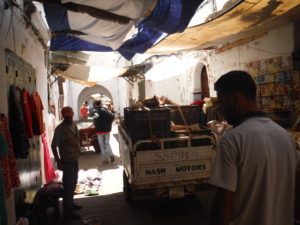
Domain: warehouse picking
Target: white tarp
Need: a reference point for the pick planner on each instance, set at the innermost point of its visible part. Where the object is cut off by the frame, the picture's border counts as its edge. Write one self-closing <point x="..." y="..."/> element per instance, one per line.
<point x="133" y="9"/>
<point x="90" y="75"/>
<point x="108" y="33"/>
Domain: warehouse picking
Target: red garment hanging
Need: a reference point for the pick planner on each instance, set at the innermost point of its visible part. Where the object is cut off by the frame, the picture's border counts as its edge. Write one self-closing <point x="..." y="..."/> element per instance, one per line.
<point x="49" y="170"/>
<point x="28" y="108"/>
<point x="38" y="123"/>
<point x="8" y="162"/>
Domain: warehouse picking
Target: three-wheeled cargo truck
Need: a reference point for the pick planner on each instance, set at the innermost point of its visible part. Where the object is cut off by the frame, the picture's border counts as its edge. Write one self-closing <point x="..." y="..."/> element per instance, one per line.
<point x="166" y="167"/>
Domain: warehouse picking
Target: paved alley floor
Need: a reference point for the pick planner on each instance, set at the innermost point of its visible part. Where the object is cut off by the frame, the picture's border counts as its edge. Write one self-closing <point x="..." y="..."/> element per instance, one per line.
<point x="109" y="207"/>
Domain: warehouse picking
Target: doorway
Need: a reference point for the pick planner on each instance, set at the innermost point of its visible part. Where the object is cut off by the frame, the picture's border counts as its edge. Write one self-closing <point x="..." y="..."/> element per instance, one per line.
<point x="204" y="83"/>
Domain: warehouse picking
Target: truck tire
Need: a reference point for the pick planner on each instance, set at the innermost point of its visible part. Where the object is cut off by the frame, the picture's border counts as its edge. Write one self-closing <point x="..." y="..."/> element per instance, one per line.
<point x="127" y="189"/>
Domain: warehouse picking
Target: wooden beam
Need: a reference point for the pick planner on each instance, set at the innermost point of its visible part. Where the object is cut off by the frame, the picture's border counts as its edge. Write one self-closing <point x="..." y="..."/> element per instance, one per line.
<point x="94" y="12"/>
<point x="238" y="43"/>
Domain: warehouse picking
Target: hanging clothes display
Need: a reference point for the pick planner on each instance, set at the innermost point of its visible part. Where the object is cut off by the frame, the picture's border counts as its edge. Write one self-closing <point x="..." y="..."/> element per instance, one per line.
<point x="8" y="161"/>
<point x="28" y="108"/>
<point x="37" y="120"/>
<point x="49" y="170"/>
<point x="17" y="124"/>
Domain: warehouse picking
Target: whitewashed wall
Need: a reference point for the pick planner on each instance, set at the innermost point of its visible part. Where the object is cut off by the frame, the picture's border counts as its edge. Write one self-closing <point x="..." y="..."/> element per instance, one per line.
<point x="20" y="39"/>
<point x="117" y="88"/>
<point x="180" y="86"/>
<point x="278" y="42"/>
<point x="179" y="89"/>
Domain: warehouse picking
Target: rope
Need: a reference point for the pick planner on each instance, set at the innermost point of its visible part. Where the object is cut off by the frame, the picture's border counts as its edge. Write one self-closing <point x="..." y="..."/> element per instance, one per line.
<point x="153" y="138"/>
<point x="182" y="116"/>
<point x="149" y="121"/>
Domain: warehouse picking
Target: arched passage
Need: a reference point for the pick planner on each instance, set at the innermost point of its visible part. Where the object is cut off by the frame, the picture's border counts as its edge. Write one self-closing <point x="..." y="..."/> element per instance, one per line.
<point x="201" y="84"/>
<point x="88" y="91"/>
<point x="204" y="83"/>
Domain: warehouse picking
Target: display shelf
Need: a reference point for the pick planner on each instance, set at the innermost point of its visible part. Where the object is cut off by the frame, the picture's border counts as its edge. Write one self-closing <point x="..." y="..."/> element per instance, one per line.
<point x="278" y="88"/>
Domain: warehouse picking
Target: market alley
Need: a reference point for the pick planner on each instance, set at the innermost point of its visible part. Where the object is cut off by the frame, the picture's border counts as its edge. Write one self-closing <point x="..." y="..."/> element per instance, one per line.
<point x="110" y="208"/>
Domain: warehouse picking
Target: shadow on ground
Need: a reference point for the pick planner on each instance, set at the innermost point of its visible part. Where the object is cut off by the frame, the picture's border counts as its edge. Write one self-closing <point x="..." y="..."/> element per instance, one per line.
<point x="113" y="210"/>
<point x="110" y="208"/>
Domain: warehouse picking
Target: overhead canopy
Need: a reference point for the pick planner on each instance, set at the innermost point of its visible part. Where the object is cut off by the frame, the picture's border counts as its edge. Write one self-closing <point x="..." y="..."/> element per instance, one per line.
<point x="90" y="75"/>
<point x="247" y="19"/>
<point x="131" y="26"/>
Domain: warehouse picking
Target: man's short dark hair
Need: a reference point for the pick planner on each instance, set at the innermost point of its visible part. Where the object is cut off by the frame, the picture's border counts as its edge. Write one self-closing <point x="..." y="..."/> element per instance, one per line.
<point x="97" y="103"/>
<point x="237" y="82"/>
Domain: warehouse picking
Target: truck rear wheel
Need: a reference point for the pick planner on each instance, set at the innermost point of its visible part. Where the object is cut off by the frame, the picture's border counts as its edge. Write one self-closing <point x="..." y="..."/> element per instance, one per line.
<point x="127" y="189"/>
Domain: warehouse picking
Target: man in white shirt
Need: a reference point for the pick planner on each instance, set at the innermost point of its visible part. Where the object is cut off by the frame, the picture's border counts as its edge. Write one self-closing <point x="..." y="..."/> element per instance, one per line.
<point x="254" y="171"/>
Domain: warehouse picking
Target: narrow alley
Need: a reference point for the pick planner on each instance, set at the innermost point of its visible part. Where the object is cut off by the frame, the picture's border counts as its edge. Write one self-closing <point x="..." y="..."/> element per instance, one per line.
<point x="109" y="207"/>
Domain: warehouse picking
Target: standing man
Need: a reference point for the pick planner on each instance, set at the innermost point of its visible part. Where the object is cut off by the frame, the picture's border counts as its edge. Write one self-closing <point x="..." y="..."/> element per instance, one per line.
<point x="254" y="171"/>
<point x="103" y="119"/>
<point x="65" y="147"/>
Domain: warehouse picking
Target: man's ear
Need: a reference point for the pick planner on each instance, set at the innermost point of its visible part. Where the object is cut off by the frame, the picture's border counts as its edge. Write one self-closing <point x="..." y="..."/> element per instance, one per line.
<point x="233" y="99"/>
<point x="236" y="98"/>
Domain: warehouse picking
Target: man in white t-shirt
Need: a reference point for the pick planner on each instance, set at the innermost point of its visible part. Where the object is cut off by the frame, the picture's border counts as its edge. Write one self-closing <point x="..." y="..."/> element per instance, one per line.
<point x="254" y="171"/>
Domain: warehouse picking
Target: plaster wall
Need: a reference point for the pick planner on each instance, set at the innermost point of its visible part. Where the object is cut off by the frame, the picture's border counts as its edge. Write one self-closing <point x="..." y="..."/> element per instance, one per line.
<point x="75" y="94"/>
<point x="118" y="87"/>
<point x="176" y="77"/>
<point x="275" y="43"/>
<point x="21" y="40"/>
<point x="180" y="88"/>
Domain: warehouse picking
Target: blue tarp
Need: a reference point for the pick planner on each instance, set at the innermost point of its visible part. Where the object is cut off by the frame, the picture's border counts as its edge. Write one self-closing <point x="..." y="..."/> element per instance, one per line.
<point x="66" y="42"/>
<point x="172" y="16"/>
<point x="169" y="16"/>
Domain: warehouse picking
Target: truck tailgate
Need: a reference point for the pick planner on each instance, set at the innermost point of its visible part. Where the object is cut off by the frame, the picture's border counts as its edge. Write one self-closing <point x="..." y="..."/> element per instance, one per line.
<point x="173" y="165"/>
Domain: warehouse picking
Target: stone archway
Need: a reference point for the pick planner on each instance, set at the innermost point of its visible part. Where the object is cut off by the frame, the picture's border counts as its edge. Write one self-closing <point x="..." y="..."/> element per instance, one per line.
<point x="201" y="84"/>
<point x="204" y="83"/>
<point x="88" y="91"/>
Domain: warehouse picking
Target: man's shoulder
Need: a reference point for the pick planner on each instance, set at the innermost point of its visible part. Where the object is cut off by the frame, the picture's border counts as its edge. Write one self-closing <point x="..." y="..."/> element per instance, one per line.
<point x="256" y="128"/>
<point x="62" y="126"/>
<point x="59" y="126"/>
<point x="259" y="123"/>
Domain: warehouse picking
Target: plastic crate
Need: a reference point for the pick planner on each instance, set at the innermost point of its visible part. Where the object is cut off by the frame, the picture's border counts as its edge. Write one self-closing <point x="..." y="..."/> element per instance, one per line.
<point x="137" y="123"/>
<point x="191" y="114"/>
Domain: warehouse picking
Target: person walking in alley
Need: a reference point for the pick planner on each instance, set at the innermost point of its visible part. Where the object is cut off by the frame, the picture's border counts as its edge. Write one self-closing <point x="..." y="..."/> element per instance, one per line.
<point x="103" y="119"/>
<point x="65" y="147"/>
<point x="254" y="170"/>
